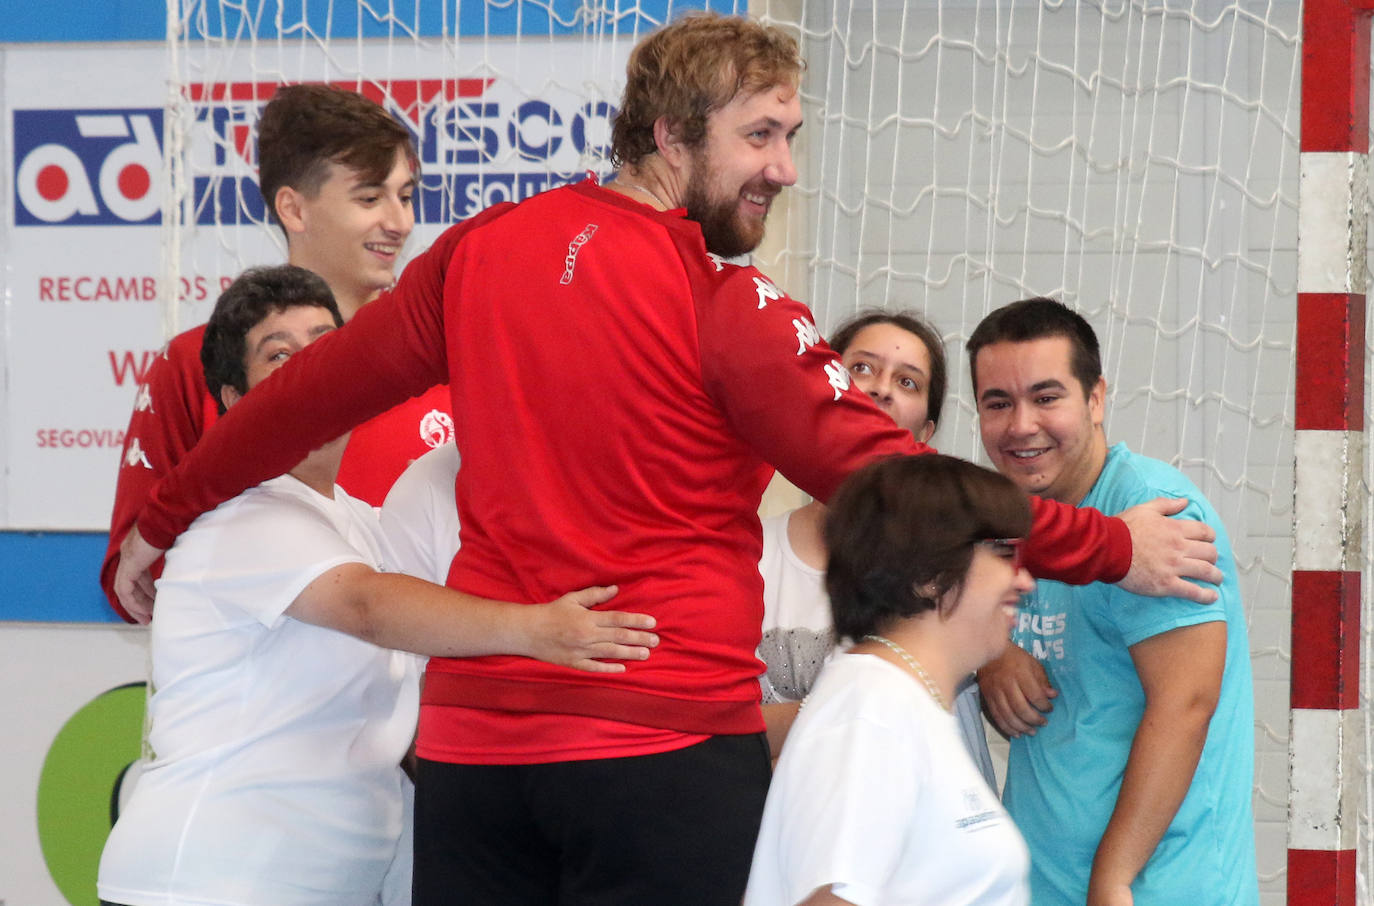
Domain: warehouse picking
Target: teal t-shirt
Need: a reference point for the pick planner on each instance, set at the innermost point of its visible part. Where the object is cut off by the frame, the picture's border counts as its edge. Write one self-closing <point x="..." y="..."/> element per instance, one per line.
<point x="1062" y="783"/>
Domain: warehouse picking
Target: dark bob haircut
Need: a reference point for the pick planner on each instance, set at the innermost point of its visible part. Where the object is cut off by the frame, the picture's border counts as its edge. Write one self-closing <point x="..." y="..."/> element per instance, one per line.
<point x="901" y="534"/>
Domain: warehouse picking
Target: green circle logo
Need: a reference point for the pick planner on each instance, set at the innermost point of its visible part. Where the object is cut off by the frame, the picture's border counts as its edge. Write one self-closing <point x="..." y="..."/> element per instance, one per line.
<point x="78" y="789"/>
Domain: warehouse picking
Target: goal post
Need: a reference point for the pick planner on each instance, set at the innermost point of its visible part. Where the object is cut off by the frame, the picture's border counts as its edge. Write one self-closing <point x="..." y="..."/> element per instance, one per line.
<point x="1329" y="743"/>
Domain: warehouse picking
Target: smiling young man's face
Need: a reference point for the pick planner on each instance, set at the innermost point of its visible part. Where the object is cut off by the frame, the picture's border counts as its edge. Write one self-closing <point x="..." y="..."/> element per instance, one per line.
<point x="353" y="230"/>
<point x="745" y="161"/>
<point x="1039" y="426"/>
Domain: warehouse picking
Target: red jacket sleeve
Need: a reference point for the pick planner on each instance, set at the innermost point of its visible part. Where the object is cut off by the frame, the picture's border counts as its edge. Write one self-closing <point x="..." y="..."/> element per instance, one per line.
<point x="784" y="391"/>
<point x="787" y="394"/>
<point x="172" y="410"/>
<point x="1076" y="545"/>
<point x="393" y="349"/>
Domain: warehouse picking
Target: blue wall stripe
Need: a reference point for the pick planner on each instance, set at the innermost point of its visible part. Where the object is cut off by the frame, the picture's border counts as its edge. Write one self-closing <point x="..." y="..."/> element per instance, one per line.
<point x="53" y="577"/>
<point x="81" y="20"/>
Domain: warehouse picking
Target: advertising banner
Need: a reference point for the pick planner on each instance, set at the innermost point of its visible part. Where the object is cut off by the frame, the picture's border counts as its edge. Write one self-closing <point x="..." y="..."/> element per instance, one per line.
<point x="85" y="277"/>
<point x="83" y="262"/>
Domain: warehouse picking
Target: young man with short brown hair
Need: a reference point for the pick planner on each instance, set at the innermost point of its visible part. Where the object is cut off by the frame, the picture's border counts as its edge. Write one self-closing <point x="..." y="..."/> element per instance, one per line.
<point x="337" y="174"/>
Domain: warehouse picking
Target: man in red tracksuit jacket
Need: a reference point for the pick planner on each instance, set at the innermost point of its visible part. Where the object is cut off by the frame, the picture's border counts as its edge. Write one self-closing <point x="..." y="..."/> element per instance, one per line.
<point x="337" y="174"/>
<point x="621" y="394"/>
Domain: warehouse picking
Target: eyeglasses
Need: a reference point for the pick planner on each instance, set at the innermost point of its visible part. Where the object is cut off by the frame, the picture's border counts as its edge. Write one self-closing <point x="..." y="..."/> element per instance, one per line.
<point x="1008" y="549"/>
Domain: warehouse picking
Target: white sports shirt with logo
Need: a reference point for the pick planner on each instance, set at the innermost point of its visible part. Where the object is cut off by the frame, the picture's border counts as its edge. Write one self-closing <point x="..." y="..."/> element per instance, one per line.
<point x="876" y="795"/>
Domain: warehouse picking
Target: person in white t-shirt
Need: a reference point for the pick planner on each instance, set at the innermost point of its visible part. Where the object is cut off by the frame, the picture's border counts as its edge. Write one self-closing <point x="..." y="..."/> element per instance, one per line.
<point x="898" y="359"/>
<point x="419" y="518"/>
<point x="875" y="799"/>
<point x="280" y="715"/>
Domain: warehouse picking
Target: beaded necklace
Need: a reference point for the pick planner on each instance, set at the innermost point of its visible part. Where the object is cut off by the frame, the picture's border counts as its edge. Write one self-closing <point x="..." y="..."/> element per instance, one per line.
<point x="915" y="666"/>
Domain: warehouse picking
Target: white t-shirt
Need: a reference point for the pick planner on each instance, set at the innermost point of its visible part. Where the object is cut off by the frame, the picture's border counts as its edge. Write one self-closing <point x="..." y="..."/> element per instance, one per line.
<point x="799" y="638"/>
<point x="420" y="518"/>
<point x="876" y="795"/>
<point x="278" y="743"/>
<point x="420" y="522"/>
<point x="798" y="634"/>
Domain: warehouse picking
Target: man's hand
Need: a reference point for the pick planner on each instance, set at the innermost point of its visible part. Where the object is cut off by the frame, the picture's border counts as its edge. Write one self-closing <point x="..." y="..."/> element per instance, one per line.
<point x="1016" y="692"/>
<point x="1165" y="553"/>
<point x="568" y="632"/>
<point x="133" y="581"/>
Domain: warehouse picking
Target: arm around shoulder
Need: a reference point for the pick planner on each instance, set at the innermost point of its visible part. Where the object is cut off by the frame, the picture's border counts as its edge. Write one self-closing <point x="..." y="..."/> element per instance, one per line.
<point x="133" y="578"/>
<point x="1166" y="553"/>
<point x="393" y="349"/>
<point x="1143" y="550"/>
<point x="1076" y="545"/>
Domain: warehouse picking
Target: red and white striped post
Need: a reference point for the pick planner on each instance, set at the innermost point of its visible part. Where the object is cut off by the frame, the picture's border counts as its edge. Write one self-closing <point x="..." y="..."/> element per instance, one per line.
<point x="1326" y="732"/>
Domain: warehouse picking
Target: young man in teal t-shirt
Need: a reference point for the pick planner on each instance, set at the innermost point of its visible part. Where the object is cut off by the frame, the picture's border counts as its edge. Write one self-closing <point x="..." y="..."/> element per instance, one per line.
<point x="1131" y="719"/>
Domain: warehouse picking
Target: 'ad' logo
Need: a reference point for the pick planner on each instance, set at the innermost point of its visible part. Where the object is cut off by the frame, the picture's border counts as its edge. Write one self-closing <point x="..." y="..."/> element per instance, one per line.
<point x="480" y="141"/>
<point x="86" y="167"/>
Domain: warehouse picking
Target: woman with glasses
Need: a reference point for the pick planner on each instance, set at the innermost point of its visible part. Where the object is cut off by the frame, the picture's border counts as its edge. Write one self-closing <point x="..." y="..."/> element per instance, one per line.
<point x="875" y="798"/>
<point x="897" y="359"/>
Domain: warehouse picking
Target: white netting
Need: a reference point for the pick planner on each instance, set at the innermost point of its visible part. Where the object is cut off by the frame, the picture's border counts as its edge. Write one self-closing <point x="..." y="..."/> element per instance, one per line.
<point x="1136" y="159"/>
